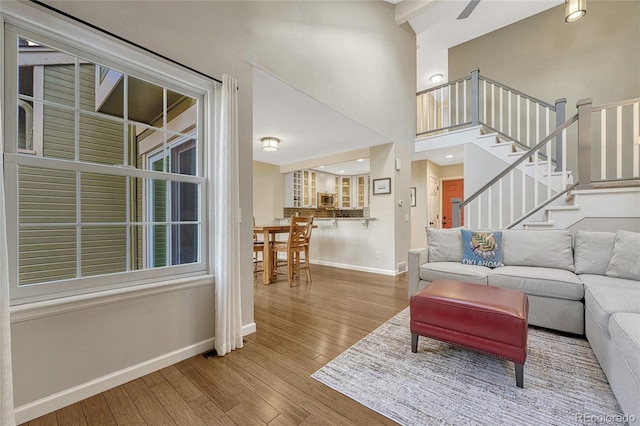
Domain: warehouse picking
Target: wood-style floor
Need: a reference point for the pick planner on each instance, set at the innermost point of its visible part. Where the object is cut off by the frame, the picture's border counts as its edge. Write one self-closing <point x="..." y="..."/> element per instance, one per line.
<point x="268" y="381"/>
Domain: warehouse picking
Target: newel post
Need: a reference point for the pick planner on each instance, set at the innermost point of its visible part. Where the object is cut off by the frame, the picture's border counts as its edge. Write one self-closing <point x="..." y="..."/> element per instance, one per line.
<point x="561" y="105"/>
<point x="475" y="97"/>
<point x="455" y="212"/>
<point x="584" y="143"/>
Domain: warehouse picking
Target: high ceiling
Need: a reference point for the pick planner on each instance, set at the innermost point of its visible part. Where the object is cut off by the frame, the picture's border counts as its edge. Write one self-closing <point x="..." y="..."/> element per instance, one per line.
<point x="309" y="129"/>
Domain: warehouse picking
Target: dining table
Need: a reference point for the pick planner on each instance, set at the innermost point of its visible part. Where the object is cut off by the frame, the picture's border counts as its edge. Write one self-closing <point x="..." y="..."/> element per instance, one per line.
<point x="269" y="233"/>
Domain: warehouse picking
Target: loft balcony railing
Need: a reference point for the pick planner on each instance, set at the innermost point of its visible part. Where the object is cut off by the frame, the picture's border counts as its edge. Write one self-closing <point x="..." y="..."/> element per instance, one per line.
<point x="606" y="152"/>
<point x="477" y="100"/>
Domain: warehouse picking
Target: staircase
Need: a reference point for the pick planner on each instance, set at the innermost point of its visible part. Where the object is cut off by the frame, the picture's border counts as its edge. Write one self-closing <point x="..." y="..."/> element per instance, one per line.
<point x="535" y="189"/>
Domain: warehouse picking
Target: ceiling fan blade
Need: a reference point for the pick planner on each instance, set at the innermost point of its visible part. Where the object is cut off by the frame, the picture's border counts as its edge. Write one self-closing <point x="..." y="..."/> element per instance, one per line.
<point x="467" y="10"/>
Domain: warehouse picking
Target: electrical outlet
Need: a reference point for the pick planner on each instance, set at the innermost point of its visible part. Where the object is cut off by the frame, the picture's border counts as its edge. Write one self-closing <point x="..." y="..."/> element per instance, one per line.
<point x="377" y="254"/>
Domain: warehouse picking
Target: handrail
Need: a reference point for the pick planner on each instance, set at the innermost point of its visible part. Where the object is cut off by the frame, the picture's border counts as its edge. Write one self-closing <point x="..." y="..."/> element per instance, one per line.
<point x="505" y="136"/>
<point x="440" y="129"/>
<point x="543" y="205"/>
<point x="522" y="95"/>
<point x="522" y="159"/>
<point x="449" y="83"/>
<point x="615" y="104"/>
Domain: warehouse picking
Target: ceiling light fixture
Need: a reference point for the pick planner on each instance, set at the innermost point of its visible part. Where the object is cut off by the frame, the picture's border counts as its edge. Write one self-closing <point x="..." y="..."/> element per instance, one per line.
<point x="574" y="10"/>
<point x="270" y="144"/>
<point x="360" y="159"/>
<point x="436" y="78"/>
<point x="448" y="156"/>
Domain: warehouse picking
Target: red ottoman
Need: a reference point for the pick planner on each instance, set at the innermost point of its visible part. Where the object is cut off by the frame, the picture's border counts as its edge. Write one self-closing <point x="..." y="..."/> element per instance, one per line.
<point x="486" y="319"/>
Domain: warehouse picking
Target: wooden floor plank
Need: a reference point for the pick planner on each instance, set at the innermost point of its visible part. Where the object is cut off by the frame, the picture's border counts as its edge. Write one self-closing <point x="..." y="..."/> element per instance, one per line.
<point x="97" y="412"/>
<point x="268" y="381"/>
<point x="178" y="409"/>
<point x="122" y="407"/>
<point x="47" y="420"/>
<point x="210" y="413"/>
<point x="71" y="415"/>
<point x="148" y="405"/>
<point x="185" y="388"/>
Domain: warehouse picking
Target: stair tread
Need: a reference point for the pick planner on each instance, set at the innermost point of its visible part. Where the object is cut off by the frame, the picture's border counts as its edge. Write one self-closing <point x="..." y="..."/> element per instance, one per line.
<point x="559" y="208"/>
<point x="539" y="223"/>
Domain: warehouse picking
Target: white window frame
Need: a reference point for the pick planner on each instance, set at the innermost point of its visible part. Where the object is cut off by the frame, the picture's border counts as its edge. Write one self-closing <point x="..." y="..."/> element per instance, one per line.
<point x="94" y="46"/>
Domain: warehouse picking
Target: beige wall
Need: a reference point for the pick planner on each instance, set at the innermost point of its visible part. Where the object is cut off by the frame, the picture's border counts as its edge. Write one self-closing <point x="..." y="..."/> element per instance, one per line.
<point x="420" y="172"/>
<point x="596" y="57"/>
<point x="268" y="192"/>
<point x="336" y="52"/>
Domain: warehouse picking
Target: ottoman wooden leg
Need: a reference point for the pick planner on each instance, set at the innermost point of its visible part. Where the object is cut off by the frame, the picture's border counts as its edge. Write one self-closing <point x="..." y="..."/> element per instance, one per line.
<point x="414" y="342"/>
<point x="519" y="374"/>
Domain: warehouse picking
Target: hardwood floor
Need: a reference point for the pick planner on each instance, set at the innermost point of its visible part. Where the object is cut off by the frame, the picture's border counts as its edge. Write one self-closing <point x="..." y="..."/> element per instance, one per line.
<point x="268" y="381"/>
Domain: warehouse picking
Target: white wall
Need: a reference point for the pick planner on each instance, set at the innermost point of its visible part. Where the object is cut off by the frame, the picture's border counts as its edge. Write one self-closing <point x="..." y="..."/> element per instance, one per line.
<point x="350" y="55"/>
<point x="268" y="192"/>
<point x="420" y="172"/>
<point x="596" y="57"/>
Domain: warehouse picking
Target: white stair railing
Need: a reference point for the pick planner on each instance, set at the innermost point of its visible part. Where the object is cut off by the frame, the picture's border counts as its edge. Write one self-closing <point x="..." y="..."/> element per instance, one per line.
<point x="519" y="189"/>
<point x="616" y="141"/>
<point x="478" y="100"/>
<point x="608" y="136"/>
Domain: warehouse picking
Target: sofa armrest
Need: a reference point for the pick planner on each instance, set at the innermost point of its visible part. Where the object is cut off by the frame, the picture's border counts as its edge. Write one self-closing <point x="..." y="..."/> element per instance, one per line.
<point x="416" y="258"/>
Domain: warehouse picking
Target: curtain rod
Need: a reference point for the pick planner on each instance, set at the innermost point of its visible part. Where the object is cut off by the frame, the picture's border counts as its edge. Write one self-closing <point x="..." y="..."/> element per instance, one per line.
<point x="109" y="33"/>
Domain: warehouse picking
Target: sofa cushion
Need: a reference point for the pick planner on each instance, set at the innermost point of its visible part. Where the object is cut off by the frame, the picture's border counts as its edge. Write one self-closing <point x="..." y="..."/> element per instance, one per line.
<point x="605" y="300"/>
<point x="624" y="329"/>
<point x="547" y="282"/>
<point x="548" y="249"/>
<point x="602" y="280"/>
<point x="592" y="251"/>
<point x="445" y="245"/>
<point x="482" y="248"/>
<point x="454" y="271"/>
<point x="625" y="261"/>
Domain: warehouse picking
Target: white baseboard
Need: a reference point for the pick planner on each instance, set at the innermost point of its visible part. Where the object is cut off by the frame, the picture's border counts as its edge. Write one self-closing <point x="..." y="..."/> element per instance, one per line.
<point x="249" y="328"/>
<point x="389" y="272"/>
<point x="70" y="396"/>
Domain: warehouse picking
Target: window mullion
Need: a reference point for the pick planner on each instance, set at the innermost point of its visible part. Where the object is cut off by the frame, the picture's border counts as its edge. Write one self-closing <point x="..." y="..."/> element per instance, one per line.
<point x="167" y="167"/>
<point x="128" y="180"/>
<point x="76" y="137"/>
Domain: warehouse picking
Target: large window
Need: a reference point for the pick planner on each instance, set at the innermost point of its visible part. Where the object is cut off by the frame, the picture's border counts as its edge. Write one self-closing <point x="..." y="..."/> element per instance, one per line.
<point x="104" y="170"/>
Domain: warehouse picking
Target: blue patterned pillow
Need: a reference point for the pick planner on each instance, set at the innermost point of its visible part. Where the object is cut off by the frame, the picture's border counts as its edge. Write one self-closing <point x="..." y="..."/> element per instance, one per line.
<point x="483" y="248"/>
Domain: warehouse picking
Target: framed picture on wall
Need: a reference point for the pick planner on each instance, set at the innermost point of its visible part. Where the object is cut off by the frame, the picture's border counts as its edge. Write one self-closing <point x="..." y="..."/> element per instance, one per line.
<point x="413" y="196"/>
<point x="382" y="186"/>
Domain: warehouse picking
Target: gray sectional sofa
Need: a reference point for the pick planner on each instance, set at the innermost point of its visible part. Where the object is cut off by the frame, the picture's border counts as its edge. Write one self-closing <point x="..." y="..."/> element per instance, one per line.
<point x="585" y="282"/>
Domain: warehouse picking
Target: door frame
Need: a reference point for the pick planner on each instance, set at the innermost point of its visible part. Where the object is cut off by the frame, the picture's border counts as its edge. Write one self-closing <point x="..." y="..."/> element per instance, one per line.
<point x="442" y="180"/>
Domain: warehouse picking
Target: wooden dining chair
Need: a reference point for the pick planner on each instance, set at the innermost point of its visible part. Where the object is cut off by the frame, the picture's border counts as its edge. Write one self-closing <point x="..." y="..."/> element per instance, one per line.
<point x="258" y="250"/>
<point x="296" y="249"/>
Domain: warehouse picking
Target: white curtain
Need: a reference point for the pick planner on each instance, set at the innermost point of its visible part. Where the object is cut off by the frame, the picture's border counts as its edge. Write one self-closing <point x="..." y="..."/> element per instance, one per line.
<point x="225" y="207"/>
<point x="7" y="416"/>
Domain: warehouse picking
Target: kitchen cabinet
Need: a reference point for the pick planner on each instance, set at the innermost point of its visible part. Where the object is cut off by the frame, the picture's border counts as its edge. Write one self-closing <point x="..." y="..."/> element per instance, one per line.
<point x="309" y="189"/>
<point x="293" y="189"/>
<point x="362" y="191"/>
<point x="302" y="187"/>
<point x="345" y="192"/>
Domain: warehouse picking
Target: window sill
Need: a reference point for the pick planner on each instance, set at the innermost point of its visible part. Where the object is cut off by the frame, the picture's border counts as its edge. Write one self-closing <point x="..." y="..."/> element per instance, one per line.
<point x="30" y="311"/>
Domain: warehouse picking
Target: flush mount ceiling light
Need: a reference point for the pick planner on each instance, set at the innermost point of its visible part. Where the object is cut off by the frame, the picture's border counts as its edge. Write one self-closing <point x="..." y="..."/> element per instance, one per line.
<point x="574" y="10"/>
<point x="436" y="78"/>
<point x="270" y="144"/>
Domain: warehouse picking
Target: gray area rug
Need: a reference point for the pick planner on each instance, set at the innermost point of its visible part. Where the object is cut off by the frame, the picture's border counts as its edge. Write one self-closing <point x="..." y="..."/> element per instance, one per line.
<point x="442" y="384"/>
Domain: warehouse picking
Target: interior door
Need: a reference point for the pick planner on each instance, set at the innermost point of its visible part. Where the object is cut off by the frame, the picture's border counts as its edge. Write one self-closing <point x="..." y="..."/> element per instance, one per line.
<point x="434" y="202"/>
<point x="451" y="189"/>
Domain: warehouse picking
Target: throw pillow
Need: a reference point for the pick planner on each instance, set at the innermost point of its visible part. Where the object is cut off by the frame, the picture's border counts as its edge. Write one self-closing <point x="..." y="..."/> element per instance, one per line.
<point x="445" y="245"/>
<point x="625" y="261"/>
<point x="544" y="249"/>
<point x="483" y="248"/>
<point x="592" y="251"/>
